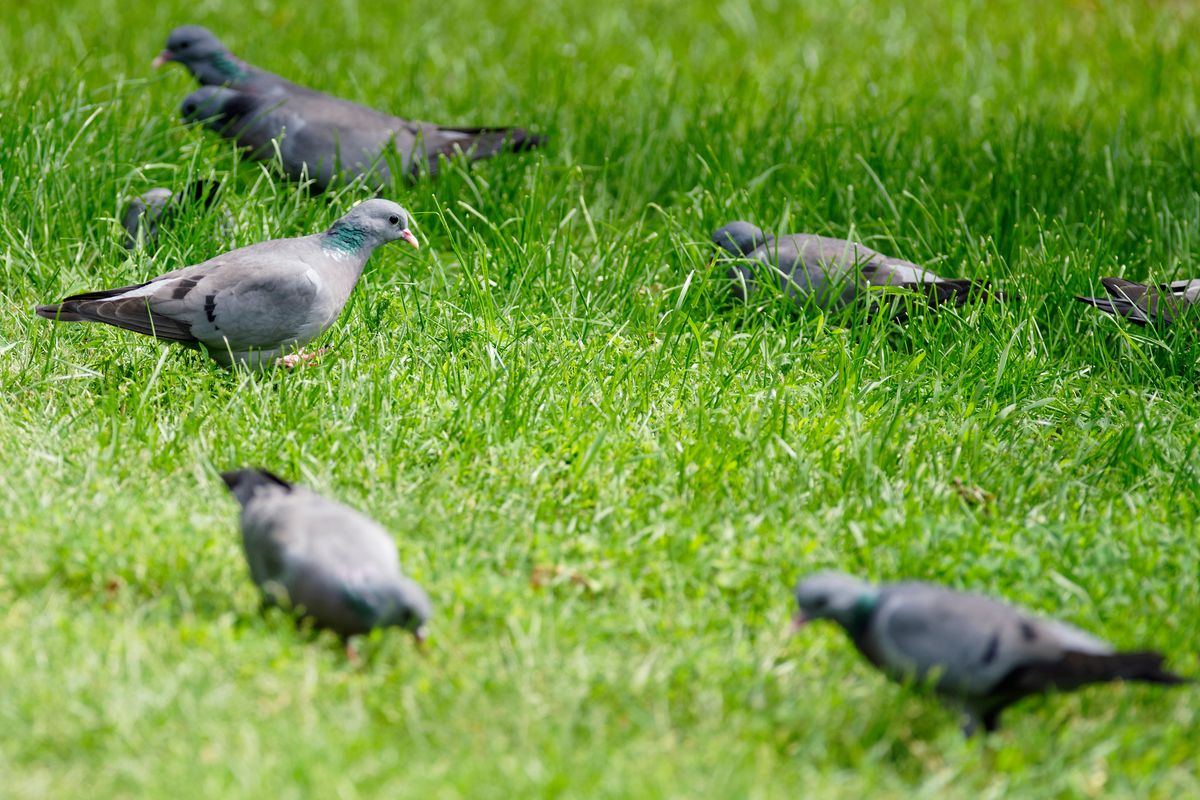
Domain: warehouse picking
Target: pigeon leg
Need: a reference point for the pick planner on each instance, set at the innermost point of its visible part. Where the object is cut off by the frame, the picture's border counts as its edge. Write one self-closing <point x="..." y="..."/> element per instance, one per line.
<point x="352" y="655"/>
<point x="300" y="357"/>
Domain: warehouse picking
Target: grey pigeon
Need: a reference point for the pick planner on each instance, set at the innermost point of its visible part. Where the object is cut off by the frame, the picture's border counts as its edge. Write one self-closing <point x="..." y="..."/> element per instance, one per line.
<point x="831" y="274"/>
<point x="250" y="305"/>
<point x="982" y="655"/>
<point x="327" y="562"/>
<point x="1146" y="304"/>
<point x="332" y="137"/>
<point x="144" y="215"/>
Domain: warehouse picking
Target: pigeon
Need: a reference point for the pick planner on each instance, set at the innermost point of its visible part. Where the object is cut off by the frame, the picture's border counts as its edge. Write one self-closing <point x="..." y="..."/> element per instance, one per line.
<point x="332" y="137"/>
<point x="1145" y="304"/>
<point x="146" y="214"/>
<point x="980" y="654"/>
<point x="322" y="560"/>
<point x="831" y="274"/>
<point x="252" y="304"/>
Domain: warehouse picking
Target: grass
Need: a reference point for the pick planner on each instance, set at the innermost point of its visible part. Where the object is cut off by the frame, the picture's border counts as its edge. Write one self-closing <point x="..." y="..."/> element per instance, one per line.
<point x="606" y="475"/>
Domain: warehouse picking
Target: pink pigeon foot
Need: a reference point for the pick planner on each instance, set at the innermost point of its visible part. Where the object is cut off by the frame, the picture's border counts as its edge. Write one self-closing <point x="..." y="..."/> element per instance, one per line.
<point x="300" y="357"/>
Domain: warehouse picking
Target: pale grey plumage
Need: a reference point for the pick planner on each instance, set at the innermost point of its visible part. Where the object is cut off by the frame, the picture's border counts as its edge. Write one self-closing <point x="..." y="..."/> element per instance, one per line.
<point x="980" y="654"/>
<point x="251" y="305"/>
<point x="328" y="562"/>
<point x="1148" y="303"/>
<point x="320" y="136"/>
<point x="146" y="214"/>
<point x="830" y="274"/>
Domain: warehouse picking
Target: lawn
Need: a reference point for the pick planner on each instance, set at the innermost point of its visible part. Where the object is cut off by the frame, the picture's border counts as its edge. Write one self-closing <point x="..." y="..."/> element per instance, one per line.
<point x="608" y="475"/>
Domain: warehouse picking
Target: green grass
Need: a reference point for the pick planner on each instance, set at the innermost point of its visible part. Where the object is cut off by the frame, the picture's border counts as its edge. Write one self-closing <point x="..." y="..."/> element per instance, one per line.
<point x="557" y="386"/>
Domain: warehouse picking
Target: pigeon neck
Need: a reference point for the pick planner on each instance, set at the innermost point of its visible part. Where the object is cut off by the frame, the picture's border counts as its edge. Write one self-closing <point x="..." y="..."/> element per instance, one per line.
<point x="345" y="239"/>
<point x="860" y="615"/>
<point x="229" y="67"/>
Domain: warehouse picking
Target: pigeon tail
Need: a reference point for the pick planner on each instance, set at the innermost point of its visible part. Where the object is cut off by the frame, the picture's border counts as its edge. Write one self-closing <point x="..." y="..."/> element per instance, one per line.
<point x="959" y="291"/>
<point x="950" y="291"/>
<point x="203" y="191"/>
<point x="480" y="143"/>
<point x="1117" y="307"/>
<point x="58" y="312"/>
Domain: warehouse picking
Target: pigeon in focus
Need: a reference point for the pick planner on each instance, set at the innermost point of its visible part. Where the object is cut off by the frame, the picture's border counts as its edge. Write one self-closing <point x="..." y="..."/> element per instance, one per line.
<point x="322" y="560"/>
<point x="831" y="274"/>
<point x="154" y="209"/>
<point x="1148" y="304"/>
<point x="980" y="654"/>
<point x="252" y="305"/>
<point x="332" y="137"/>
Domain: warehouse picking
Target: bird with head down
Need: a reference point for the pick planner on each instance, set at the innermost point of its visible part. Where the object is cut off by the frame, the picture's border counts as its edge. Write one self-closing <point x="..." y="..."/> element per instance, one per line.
<point x="833" y="274"/>
<point x="333" y="139"/>
<point x="322" y="560"/>
<point x="980" y="655"/>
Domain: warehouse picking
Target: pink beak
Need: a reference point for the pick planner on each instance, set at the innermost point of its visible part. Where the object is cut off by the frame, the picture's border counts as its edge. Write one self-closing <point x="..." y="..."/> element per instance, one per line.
<point x="407" y="236"/>
<point x="162" y="58"/>
<point x="798" y="622"/>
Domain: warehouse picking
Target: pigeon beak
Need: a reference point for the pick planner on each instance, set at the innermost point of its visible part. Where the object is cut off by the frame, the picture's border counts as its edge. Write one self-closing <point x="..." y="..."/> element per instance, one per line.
<point x="162" y="58"/>
<point x="408" y="236"/>
<point x="798" y="622"/>
<point x="421" y="634"/>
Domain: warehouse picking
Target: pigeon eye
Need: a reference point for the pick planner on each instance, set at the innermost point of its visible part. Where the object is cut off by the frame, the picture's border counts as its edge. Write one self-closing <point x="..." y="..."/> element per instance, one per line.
<point x="183" y="45"/>
<point x="393" y="220"/>
<point x="820" y="602"/>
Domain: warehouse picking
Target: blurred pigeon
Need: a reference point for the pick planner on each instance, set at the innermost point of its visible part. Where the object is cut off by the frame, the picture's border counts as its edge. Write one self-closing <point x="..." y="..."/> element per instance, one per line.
<point x="1145" y="304"/>
<point x="155" y="208"/>
<point x="832" y="274"/>
<point x="323" y="560"/>
<point x="981" y="655"/>
<point x="333" y="137"/>
<point x="250" y="305"/>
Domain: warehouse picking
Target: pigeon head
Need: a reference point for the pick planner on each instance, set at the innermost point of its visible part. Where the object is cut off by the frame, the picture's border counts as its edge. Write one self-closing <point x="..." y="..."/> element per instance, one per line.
<point x="220" y="108"/>
<point x="833" y="595"/>
<point x="140" y="219"/>
<point x="369" y="224"/>
<point x="202" y="53"/>
<point x="410" y="608"/>
<point x="739" y="238"/>
<point x="244" y="484"/>
<point x="204" y="103"/>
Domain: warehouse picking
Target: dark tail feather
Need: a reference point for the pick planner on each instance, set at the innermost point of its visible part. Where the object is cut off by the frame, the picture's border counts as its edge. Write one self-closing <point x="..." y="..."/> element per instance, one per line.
<point x="487" y="142"/>
<point x="495" y="140"/>
<point x="959" y="292"/>
<point x="202" y="190"/>
<point x="66" y="311"/>
<point x="1080" y="669"/>
<point x="58" y="312"/>
<point x="956" y="292"/>
<point x="1116" y="306"/>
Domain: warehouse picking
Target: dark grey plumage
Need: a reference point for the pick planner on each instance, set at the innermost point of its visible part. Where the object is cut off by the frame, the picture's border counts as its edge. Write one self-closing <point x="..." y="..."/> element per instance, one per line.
<point x="325" y="561"/>
<point x="155" y="209"/>
<point x="832" y="274"/>
<point x="980" y="654"/>
<point x="250" y="305"/>
<point x="1148" y="304"/>
<point x="320" y="136"/>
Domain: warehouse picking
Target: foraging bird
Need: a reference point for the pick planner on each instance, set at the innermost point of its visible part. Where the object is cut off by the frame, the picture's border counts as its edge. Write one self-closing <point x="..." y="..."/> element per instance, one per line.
<point x="1147" y="304"/>
<point x="981" y="655"/>
<point x="326" y="562"/>
<point x="330" y="137"/>
<point x="832" y="274"/>
<point x="144" y="215"/>
<point x="250" y="305"/>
